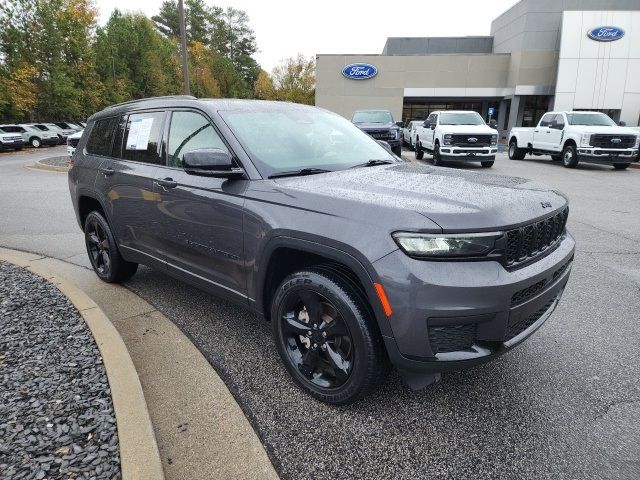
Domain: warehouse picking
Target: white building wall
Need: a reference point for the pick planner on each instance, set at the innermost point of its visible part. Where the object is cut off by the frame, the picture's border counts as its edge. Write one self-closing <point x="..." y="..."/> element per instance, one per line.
<point x="600" y="75"/>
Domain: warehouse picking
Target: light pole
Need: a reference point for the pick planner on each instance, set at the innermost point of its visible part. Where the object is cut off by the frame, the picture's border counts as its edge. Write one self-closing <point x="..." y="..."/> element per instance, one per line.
<point x="183" y="38"/>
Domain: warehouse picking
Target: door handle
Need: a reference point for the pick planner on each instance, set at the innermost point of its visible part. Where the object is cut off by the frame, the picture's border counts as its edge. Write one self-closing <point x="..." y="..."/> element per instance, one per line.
<point x="536" y="131"/>
<point x="166" y="182"/>
<point x="107" y="171"/>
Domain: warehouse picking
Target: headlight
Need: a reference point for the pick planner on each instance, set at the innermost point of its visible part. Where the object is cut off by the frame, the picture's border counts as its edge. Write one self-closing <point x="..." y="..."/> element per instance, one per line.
<point x="494" y="139"/>
<point x="637" y="144"/>
<point x="586" y="140"/>
<point x="396" y="134"/>
<point x="447" y="139"/>
<point x="446" y="245"/>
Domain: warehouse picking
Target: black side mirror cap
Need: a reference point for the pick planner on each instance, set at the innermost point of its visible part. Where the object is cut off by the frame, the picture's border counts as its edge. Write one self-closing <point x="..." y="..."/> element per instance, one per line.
<point x="400" y="124"/>
<point x="211" y="162"/>
<point x="432" y="126"/>
<point x="493" y="123"/>
<point x="622" y="123"/>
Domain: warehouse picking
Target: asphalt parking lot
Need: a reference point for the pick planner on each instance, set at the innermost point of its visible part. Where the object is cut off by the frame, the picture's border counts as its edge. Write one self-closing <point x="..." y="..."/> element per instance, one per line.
<point x="564" y="404"/>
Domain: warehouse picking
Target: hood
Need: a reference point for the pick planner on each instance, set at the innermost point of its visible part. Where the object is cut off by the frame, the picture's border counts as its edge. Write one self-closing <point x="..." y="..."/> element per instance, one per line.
<point x="484" y="129"/>
<point x="605" y="130"/>
<point x="455" y="200"/>
<point x="376" y="126"/>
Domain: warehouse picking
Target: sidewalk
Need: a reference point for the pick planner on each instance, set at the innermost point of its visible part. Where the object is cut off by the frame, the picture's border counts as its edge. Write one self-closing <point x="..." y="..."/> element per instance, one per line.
<point x="200" y="430"/>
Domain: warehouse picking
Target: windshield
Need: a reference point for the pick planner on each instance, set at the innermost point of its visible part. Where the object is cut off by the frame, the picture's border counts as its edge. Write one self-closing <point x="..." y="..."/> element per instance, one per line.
<point x="372" y="117"/>
<point x="463" y="118"/>
<point x="592" y="119"/>
<point x="294" y="138"/>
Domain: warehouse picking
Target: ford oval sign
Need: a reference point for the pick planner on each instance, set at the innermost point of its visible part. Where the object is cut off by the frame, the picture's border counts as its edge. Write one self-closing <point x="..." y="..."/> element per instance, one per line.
<point x="359" y="71"/>
<point x="606" y="34"/>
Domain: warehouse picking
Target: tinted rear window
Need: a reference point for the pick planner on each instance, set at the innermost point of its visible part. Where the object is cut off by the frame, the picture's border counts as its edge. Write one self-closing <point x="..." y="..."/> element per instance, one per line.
<point x="101" y="137"/>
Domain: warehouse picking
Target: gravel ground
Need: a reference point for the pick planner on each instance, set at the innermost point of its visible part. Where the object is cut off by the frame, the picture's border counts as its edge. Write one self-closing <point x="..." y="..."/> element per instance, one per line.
<point x="56" y="414"/>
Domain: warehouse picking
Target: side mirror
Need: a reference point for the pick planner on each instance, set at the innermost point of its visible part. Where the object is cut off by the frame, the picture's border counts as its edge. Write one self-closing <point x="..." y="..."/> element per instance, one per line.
<point x="622" y="123"/>
<point x="426" y="124"/>
<point x="432" y="126"/>
<point x="400" y="124"/>
<point x="210" y="162"/>
<point x="385" y="145"/>
<point x="493" y="123"/>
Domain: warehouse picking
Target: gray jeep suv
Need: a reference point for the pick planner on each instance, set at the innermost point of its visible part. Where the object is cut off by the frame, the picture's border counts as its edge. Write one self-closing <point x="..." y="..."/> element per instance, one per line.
<point x="356" y="257"/>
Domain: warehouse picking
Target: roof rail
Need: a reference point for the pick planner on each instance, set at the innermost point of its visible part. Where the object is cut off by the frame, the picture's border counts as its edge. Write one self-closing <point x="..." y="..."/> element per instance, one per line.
<point x="187" y="97"/>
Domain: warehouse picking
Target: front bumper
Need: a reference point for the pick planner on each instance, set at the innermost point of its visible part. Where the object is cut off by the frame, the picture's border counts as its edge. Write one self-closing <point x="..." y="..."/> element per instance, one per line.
<point x="468" y="154"/>
<point x="607" y="156"/>
<point x="11" y="145"/>
<point x="453" y="315"/>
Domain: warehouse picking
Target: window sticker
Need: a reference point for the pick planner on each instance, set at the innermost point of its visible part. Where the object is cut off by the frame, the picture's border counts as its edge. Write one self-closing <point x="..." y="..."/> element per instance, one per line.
<point x="139" y="133"/>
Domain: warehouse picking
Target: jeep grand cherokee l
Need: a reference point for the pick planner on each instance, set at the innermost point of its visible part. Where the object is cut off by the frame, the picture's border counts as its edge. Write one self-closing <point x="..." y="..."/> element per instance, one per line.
<point x="355" y="256"/>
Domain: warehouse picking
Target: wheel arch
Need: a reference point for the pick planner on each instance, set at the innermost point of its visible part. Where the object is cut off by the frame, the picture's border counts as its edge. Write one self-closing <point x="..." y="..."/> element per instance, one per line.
<point x="284" y="255"/>
<point x="86" y="204"/>
<point x="569" y="141"/>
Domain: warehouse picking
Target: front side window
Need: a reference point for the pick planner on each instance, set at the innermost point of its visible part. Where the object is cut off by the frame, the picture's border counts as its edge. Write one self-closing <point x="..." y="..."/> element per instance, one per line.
<point x="101" y="137"/>
<point x="142" y="135"/>
<point x="546" y="120"/>
<point x="292" y="137"/>
<point x="460" y="118"/>
<point x="559" y="119"/>
<point x="190" y="131"/>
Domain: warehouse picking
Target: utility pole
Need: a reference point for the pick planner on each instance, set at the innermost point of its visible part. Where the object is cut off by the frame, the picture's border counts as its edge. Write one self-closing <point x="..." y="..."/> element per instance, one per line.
<point x="183" y="37"/>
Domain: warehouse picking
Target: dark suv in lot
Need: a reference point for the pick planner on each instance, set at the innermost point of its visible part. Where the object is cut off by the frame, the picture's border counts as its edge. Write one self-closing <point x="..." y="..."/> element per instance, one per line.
<point x="381" y="126"/>
<point x="356" y="257"/>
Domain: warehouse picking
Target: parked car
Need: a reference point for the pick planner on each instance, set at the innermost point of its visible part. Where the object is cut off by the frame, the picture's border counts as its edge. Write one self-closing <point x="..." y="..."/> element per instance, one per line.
<point x="72" y="142"/>
<point x="68" y="126"/>
<point x="355" y="256"/>
<point x="409" y="132"/>
<point x="31" y="135"/>
<point x="62" y="133"/>
<point x="460" y="136"/>
<point x="11" y="141"/>
<point x="573" y="137"/>
<point x="381" y="126"/>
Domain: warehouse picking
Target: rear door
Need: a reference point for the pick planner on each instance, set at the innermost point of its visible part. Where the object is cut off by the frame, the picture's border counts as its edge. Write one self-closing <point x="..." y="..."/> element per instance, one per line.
<point x="200" y="218"/>
<point x="542" y="133"/>
<point x="137" y="154"/>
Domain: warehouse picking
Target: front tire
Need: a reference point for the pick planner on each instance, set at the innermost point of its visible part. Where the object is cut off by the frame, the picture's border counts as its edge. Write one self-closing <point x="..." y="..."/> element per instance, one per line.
<point x="621" y="166"/>
<point x="103" y="252"/>
<point x="326" y="338"/>
<point x="569" y="156"/>
<point x="437" y="158"/>
<point x="35" y="142"/>
<point x="397" y="151"/>
<point x="419" y="153"/>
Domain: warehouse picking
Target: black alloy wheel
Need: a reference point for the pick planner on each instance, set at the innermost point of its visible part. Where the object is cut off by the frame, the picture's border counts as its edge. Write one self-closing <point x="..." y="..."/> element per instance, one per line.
<point x="324" y="338"/>
<point x="103" y="252"/>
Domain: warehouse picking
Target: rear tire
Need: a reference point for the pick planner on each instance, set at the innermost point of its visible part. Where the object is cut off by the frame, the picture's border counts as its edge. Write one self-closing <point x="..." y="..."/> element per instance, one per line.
<point x="326" y="338"/>
<point x="105" y="258"/>
<point x="569" y="156"/>
<point x="487" y="164"/>
<point x="419" y="153"/>
<point x="621" y="166"/>
<point x="516" y="153"/>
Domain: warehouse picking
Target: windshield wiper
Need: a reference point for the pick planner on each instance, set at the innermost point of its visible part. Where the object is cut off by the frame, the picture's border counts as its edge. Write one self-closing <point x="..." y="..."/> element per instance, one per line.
<point x="372" y="163"/>
<point x="303" y="171"/>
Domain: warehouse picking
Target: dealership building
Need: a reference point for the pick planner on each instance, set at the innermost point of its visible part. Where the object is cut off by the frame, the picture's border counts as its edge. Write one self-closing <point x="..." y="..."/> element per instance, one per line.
<point x="541" y="55"/>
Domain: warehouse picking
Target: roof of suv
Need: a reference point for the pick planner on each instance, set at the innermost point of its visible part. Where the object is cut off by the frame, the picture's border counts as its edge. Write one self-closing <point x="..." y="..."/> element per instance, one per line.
<point x="186" y="100"/>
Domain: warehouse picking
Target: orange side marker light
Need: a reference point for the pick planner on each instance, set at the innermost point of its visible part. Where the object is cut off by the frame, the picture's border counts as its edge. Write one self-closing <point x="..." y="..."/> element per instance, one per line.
<point x="382" y="295"/>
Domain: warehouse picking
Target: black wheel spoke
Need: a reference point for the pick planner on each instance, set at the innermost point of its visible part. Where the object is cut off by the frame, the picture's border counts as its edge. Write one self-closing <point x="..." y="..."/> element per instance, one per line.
<point x="309" y="362"/>
<point x="312" y="304"/>
<point x="106" y="260"/>
<point x="340" y="365"/>
<point x="93" y="238"/>
<point x="292" y="325"/>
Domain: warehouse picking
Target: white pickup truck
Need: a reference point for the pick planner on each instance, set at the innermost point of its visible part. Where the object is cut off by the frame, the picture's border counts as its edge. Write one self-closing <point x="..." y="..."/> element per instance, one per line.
<point x="573" y="137"/>
<point x="457" y="136"/>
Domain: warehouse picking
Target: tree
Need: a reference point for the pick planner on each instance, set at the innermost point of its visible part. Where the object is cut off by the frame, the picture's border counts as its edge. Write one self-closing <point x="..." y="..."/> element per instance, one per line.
<point x="294" y="80"/>
<point x="201" y="63"/>
<point x="199" y="20"/>
<point x="18" y="90"/>
<point x="263" y="87"/>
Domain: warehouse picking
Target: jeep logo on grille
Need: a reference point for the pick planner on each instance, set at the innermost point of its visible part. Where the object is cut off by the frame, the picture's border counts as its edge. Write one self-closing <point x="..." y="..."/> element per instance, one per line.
<point x="616" y="140"/>
<point x="472" y="140"/>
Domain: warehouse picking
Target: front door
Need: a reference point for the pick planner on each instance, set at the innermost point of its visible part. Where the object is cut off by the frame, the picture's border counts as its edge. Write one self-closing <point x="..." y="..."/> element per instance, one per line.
<point x="542" y="133"/>
<point x="556" y="130"/>
<point x="200" y="217"/>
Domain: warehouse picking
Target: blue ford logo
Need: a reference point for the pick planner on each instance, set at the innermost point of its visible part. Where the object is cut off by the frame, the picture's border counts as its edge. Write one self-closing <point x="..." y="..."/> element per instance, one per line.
<point x="359" y="71"/>
<point x="606" y="33"/>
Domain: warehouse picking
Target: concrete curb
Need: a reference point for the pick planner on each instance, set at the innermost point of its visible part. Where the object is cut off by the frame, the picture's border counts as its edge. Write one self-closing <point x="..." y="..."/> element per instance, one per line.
<point x="139" y="456"/>
<point x="51" y="168"/>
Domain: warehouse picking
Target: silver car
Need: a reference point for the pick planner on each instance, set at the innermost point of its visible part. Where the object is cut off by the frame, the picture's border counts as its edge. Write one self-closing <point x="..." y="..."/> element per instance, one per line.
<point x="31" y="135"/>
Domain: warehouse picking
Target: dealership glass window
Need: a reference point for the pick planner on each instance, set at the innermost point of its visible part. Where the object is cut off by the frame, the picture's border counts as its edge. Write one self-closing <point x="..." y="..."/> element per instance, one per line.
<point x="101" y="136"/>
<point x="190" y="131"/>
<point x="535" y="106"/>
<point x="421" y="110"/>
<point x="142" y="136"/>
